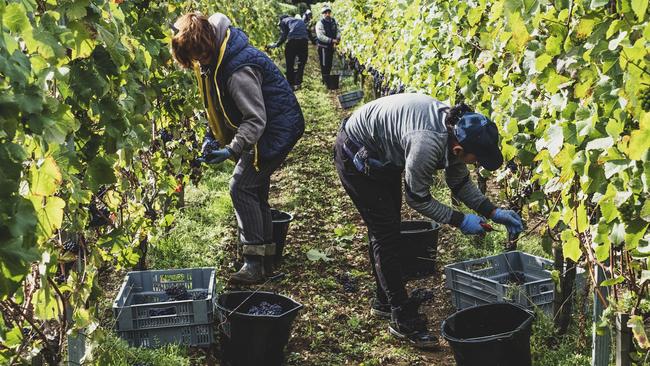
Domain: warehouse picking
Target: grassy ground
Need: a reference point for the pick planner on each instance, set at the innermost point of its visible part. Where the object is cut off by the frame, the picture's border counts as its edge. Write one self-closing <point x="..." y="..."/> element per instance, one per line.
<point x="335" y="327"/>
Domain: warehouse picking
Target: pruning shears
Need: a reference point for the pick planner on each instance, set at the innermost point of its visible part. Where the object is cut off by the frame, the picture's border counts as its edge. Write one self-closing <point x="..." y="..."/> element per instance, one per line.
<point x="487" y="227"/>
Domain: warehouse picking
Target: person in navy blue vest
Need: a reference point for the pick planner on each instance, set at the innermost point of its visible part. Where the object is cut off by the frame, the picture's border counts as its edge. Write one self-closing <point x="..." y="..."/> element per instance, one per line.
<point x="328" y="35"/>
<point x="254" y="119"/>
<point x="297" y="46"/>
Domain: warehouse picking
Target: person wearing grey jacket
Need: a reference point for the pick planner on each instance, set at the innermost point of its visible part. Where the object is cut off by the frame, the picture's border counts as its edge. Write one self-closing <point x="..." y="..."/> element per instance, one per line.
<point x="254" y="119"/>
<point x="328" y="35"/>
<point x="414" y="135"/>
<point x="295" y="31"/>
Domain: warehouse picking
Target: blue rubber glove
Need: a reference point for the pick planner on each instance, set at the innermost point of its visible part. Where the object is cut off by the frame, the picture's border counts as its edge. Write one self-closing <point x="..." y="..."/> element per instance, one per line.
<point x="472" y="225"/>
<point x="510" y="219"/>
<point x="216" y="156"/>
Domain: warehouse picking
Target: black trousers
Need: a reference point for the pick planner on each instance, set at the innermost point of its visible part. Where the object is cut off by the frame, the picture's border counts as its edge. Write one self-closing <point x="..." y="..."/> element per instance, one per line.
<point x="379" y="200"/>
<point x="325" y="56"/>
<point x="296" y="49"/>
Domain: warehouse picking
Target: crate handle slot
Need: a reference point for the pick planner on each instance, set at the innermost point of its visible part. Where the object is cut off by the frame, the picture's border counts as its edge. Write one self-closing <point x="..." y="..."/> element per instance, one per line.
<point x="479" y="266"/>
<point x="162" y="312"/>
<point x="176" y="277"/>
<point x="544" y="289"/>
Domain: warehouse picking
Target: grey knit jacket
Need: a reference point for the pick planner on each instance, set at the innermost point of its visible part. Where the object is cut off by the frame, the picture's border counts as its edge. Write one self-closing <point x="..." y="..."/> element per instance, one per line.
<point x="408" y="131"/>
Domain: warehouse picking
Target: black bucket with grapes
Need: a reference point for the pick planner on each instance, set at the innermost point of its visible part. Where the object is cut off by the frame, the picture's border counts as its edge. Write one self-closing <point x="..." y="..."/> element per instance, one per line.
<point x="254" y="327"/>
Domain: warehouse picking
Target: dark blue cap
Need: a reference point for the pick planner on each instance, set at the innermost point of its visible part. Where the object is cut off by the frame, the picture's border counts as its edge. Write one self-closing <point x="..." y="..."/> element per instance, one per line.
<point x="480" y="136"/>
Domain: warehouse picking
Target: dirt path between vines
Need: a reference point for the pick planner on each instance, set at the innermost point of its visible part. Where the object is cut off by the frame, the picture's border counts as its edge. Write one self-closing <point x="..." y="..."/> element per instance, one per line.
<point x="335" y="327"/>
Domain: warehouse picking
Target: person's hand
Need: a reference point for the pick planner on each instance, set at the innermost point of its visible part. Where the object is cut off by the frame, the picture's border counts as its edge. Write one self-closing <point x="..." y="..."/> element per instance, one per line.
<point x="510" y="219"/>
<point x="471" y="225"/>
<point x="216" y="156"/>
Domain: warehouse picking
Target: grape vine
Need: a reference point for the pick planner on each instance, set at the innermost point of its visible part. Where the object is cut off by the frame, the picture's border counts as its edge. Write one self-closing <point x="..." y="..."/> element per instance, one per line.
<point x="99" y="134"/>
<point x="567" y="82"/>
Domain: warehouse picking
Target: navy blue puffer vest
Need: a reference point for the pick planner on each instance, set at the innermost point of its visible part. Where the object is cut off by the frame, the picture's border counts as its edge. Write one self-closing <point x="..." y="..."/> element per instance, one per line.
<point x="284" y="120"/>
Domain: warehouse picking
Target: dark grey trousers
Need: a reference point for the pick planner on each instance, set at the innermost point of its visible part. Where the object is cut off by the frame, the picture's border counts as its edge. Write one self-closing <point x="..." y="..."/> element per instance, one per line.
<point x="249" y="190"/>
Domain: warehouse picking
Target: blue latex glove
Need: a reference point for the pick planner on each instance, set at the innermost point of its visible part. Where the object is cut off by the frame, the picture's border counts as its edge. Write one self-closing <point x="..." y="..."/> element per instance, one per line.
<point x="510" y="219"/>
<point x="472" y="225"/>
<point x="216" y="156"/>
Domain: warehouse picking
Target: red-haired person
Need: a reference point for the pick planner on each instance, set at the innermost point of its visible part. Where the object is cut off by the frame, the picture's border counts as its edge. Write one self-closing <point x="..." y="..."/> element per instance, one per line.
<point x="254" y="117"/>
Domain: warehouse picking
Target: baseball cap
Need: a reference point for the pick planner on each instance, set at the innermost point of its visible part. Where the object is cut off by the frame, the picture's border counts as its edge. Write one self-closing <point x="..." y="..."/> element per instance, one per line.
<point x="480" y="136"/>
<point x="326" y="8"/>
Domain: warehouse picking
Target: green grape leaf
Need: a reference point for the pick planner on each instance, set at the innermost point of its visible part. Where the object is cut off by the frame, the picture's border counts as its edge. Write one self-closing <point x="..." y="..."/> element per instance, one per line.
<point x="571" y="245"/>
<point x="76" y="9"/>
<point x="15" y="18"/>
<point x="639" y="144"/>
<point x="640" y="7"/>
<point x="598" y="3"/>
<point x="16" y="261"/>
<point x="315" y="255"/>
<point x="45" y="177"/>
<point x="617" y="235"/>
<point x="542" y="61"/>
<point x="612" y="281"/>
<point x="24" y="219"/>
<point x="100" y="172"/>
<point x="645" y="211"/>
<point x="46" y="304"/>
<point x="634" y="232"/>
<point x="600" y="144"/>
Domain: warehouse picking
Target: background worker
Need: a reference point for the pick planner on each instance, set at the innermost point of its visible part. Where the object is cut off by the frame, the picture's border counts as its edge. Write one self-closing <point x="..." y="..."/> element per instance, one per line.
<point x="328" y="36"/>
<point x="416" y="135"/>
<point x="253" y="115"/>
<point x="308" y="17"/>
<point x="294" y="32"/>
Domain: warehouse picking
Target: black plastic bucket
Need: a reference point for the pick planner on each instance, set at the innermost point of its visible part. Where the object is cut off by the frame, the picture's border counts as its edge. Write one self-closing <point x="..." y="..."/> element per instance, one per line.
<point x="333" y="81"/>
<point x="281" y="222"/>
<point x="254" y="340"/>
<point x="419" y="247"/>
<point x="490" y="335"/>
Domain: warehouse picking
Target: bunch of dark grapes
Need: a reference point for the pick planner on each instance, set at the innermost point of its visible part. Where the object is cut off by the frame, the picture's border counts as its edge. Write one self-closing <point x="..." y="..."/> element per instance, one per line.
<point x="349" y="283"/>
<point x="201" y="295"/>
<point x="178" y="293"/>
<point x="195" y="171"/>
<point x="161" y="312"/>
<point x="512" y="166"/>
<point x="265" y="308"/>
<point x="165" y="136"/>
<point x="99" y="217"/>
<point x="150" y="213"/>
<point x="71" y="246"/>
<point x="645" y="99"/>
<point x="60" y="278"/>
<point x="209" y="145"/>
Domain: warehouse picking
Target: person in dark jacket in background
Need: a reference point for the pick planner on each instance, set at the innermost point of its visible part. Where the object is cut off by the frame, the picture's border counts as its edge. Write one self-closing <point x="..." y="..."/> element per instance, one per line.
<point x="307" y="18"/>
<point x="416" y="135"/>
<point x="328" y="35"/>
<point x="254" y="117"/>
<point x="294" y="32"/>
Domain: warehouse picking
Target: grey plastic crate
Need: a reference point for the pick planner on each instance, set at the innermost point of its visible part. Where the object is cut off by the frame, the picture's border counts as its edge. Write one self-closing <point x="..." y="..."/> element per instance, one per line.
<point x="349" y="100"/>
<point x="145" y="317"/>
<point x="193" y="335"/>
<point x="514" y="276"/>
